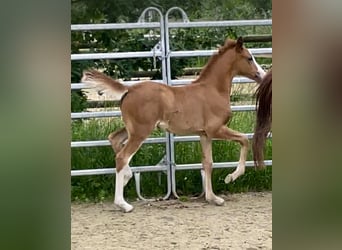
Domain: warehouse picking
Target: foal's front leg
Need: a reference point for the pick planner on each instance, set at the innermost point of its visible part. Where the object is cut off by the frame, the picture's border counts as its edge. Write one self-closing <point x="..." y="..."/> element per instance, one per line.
<point x="207" y="162"/>
<point x="229" y="134"/>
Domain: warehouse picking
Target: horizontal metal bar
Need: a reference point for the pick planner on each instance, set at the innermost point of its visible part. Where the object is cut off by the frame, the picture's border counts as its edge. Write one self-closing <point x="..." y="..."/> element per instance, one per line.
<point x="75" y="86"/>
<point x="257" y="52"/>
<point x="118" y="113"/>
<point x="99" y="114"/>
<point x="257" y="22"/>
<point x="112" y="26"/>
<point x="218" y="165"/>
<point x="192" y="138"/>
<point x="189" y="138"/>
<point x="78" y="144"/>
<point x="114" y="55"/>
<point x="101" y="171"/>
<point x="243" y="108"/>
<point x="141" y="169"/>
<point x="236" y="80"/>
<point x="146" y="25"/>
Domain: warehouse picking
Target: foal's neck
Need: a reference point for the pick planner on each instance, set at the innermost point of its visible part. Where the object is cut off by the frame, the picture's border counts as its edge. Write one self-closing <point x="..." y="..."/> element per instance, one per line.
<point x="218" y="73"/>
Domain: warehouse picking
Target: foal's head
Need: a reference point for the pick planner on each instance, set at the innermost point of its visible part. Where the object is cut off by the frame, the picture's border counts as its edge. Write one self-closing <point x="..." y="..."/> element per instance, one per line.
<point x="245" y="64"/>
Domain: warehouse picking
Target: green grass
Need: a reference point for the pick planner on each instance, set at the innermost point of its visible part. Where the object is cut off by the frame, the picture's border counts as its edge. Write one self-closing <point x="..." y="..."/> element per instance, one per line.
<point x="101" y="187"/>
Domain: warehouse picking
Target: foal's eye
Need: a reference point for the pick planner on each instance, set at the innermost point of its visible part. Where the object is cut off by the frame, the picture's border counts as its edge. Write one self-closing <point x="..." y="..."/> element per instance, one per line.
<point x="250" y="59"/>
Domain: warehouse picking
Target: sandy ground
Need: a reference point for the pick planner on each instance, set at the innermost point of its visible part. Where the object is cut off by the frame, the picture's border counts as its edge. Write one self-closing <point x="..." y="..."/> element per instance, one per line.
<point x="244" y="222"/>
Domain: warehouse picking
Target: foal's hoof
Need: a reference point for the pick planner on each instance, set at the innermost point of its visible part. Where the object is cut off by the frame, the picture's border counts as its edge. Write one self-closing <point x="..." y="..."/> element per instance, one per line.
<point x="128" y="209"/>
<point x="125" y="207"/>
<point x="229" y="178"/>
<point x="219" y="201"/>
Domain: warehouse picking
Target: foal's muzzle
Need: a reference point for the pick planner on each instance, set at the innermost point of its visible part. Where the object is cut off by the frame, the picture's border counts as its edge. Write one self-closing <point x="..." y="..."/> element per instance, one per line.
<point x="258" y="77"/>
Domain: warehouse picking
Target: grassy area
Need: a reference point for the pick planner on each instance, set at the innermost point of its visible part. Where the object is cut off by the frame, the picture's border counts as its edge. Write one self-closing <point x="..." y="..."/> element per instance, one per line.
<point x="101" y="187"/>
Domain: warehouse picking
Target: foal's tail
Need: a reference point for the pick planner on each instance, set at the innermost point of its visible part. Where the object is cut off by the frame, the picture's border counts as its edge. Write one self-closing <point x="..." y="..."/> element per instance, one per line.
<point x="98" y="79"/>
<point x="263" y="119"/>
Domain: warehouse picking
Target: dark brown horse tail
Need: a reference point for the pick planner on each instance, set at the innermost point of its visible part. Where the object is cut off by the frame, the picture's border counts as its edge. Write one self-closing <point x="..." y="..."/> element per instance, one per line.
<point x="263" y="119"/>
<point x="98" y="79"/>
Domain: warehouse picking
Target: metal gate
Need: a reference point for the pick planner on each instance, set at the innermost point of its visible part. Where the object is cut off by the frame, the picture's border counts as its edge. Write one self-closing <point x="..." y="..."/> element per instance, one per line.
<point x="163" y="52"/>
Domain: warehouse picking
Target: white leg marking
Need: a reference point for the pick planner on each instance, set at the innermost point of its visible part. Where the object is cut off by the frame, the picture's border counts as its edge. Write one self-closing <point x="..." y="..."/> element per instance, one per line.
<point x="122" y="179"/>
<point x="127" y="174"/>
<point x="240" y="170"/>
<point x="207" y="161"/>
<point x="209" y="194"/>
<point x="119" y="187"/>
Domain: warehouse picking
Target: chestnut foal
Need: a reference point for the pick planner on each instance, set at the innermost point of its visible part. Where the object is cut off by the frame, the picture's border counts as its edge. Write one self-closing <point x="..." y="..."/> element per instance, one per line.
<point x="201" y="108"/>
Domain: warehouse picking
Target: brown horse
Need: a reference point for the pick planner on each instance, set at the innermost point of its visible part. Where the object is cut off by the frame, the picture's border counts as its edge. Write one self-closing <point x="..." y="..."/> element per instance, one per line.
<point x="263" y="119"/>
<point x="201" y="108"/>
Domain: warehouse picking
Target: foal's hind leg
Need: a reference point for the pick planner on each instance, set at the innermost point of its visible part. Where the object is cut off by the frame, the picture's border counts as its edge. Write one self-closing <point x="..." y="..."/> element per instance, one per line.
<point x="118" y="139"/>
<point x="229" y="134"/>
<point x="122" y="160"/>
<point x="207" y="162"/>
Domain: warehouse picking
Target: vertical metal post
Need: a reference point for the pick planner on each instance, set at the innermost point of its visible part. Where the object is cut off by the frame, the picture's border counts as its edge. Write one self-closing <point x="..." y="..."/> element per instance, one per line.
<point x="170" y="136"/>
<point x="165" y="80"/>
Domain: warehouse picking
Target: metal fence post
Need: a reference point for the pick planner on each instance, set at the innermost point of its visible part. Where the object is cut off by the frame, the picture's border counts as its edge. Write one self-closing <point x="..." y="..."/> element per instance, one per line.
<point x="170" y="139"/>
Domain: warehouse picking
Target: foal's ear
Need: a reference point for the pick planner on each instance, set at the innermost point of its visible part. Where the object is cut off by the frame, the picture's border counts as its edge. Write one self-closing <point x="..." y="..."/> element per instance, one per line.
<point x="239" y="44"/>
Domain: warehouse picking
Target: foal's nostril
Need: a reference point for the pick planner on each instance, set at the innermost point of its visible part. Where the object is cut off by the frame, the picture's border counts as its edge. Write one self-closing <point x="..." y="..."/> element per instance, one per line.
<point x="258" y="77"/>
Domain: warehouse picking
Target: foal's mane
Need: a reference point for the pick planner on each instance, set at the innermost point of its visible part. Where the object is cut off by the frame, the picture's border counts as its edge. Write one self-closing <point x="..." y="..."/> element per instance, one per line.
<point x="208" y="67"/>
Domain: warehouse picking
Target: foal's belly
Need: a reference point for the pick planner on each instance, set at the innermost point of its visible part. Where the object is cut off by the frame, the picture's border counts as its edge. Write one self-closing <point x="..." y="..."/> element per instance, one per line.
<point x="181" y="128"/>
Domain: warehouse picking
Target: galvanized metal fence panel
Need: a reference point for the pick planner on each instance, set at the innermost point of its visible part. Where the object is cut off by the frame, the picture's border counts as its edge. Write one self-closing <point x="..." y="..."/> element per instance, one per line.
<point x="167" y="164"/>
